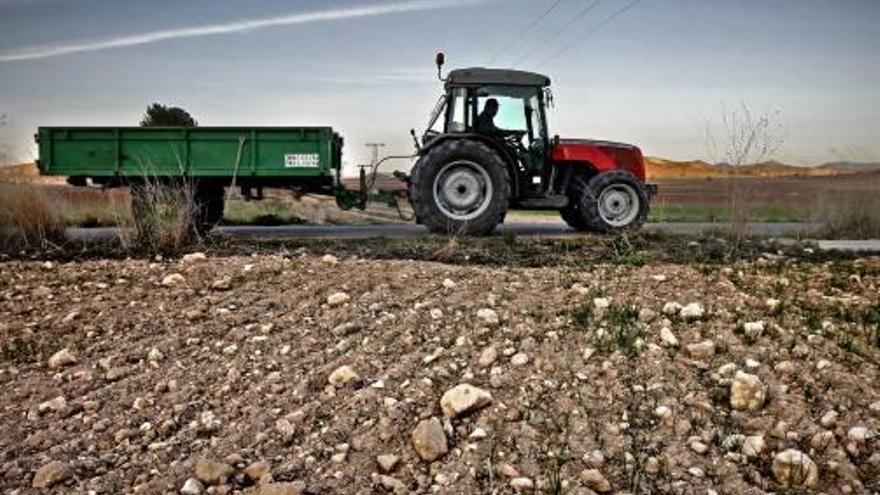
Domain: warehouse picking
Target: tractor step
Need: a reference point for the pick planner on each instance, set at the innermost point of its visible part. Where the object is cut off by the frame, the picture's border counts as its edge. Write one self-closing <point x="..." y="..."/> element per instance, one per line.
<point x="553" y="202"/>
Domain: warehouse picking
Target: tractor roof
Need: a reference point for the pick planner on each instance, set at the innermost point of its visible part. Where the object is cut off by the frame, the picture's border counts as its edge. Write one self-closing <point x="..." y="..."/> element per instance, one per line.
<point x="478" y="76"/>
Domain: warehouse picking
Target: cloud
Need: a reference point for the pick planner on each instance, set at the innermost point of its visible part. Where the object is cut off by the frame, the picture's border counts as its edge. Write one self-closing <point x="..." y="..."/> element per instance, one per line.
<point x="39" y="52"/>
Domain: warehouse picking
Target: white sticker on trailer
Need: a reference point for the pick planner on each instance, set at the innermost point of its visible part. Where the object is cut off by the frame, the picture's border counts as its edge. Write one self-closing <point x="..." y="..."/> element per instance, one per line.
<point x="311" y="160"/>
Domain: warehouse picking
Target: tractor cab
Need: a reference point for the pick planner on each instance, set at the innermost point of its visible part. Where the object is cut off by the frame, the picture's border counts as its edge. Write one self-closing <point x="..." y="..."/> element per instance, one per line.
<point x="487" y="149"/>
<point x="517" y="127"/>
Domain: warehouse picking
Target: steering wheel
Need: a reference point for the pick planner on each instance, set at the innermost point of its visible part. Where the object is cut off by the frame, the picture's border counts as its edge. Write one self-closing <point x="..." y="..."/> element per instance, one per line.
<point x="514" y="137"/>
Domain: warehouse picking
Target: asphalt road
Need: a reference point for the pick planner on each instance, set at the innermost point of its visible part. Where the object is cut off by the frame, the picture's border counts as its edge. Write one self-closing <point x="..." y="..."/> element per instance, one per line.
<point x="545" y="228"/>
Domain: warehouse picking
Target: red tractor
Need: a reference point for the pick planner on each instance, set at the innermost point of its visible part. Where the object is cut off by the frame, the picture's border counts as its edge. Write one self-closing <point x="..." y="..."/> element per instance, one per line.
<point x="488" y="149"/>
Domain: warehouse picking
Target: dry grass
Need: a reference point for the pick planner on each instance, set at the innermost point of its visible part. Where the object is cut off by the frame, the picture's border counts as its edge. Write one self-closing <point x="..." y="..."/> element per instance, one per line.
<point x="30" y="218"/>
<point x="855" y="216"/>
<point x="162" y="218"/>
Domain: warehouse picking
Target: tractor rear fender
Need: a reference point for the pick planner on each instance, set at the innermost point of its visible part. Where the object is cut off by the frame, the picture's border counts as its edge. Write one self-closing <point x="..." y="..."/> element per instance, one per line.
<point x="508" y="158"/>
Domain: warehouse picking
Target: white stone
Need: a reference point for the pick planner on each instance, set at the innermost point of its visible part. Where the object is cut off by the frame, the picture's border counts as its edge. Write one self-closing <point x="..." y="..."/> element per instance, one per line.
<point x="155" y="355"/>
<point x="329" y="259"/>
<point x="62" y="358"/>
<point x="662" y="412"/>
<point x="594" y="480"/>
<point x="829" y="419"/>
<point x="693" y="311"/>
<point x="785" y="367"/>
<point x="338" y="299"/>
<point x="462" y="399"/>
<point x="449" y="284"/>
<point x="727" y="368"/>
<point x="342" y="375"/>
<point x="753" y="446"/>
<point x="478" y="434"/>
<point x="668" y="338"/>
<point x="488" y="357"/>
<point x="747" y="392"/>
<point x="489" y="316"/>
<point x="193" y="257"/>
<point x="794" y="469"/>
<point x="522" y="484"/>
<point x="671" y="308"/>
<point x="192" y="487"/>
<point x="753" y="329"/>
<point x="859" y="434"/>
<point x="387" y="462"/>
<point x="436" y="313"/>
<point x="702" y="350"/>
<point x="173" y="280"/>
<point x="519" y="359"/>
<point x="601" y="303"/>
<point x="699" y="447"/>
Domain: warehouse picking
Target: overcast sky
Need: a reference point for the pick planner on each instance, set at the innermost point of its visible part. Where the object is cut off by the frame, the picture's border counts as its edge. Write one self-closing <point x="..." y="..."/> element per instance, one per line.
<point x="650" y="73"/>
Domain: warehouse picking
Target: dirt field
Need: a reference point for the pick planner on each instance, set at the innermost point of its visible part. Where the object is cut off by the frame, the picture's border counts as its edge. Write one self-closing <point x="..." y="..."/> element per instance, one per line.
<point x="779" y="199"/>
<point x="291" y="372"/>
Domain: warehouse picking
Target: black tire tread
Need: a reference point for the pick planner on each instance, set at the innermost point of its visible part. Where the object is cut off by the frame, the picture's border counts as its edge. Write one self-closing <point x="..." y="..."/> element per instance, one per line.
<point x="422" y="182"/>
<point x="585" y="193"/>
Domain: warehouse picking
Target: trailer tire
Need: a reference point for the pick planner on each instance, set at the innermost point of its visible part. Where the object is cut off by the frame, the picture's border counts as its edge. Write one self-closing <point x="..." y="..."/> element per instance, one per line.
<point x="209" y="204"/>
<point x="460" y="187"/>
<point x="609" y="202"/>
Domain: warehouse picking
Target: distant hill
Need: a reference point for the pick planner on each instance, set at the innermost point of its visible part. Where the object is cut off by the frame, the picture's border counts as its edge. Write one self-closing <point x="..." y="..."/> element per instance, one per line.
<point x="660" y="168"/>
<point x="852" y="167"/>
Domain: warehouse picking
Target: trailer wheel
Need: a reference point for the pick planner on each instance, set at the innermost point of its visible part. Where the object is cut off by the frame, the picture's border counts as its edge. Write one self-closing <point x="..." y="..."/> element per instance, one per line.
<point x="610" y="202"/>
<point x="209" y="204"/>
<point x="460" y="187"/>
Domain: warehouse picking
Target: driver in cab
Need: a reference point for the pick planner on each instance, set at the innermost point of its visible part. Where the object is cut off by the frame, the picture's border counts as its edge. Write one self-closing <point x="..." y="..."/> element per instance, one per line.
<point x="485" y="124"/>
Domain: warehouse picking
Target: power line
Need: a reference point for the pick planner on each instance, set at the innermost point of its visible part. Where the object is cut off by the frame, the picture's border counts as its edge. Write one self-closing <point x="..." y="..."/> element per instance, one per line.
<point x="513" y="42"/>
<point x="559" y="32"/>
<point x="588" y="34"/>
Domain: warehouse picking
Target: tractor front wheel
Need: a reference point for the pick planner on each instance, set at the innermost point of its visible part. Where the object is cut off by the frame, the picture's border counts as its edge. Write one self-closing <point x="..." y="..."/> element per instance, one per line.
<point x="460" y="187"/>
<point x="608" y="202"/>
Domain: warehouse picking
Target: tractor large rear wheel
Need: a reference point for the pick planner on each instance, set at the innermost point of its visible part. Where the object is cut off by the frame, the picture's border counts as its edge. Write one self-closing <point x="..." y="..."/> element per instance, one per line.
<point x="460" y="187"/>
<point x="609" y="202"/>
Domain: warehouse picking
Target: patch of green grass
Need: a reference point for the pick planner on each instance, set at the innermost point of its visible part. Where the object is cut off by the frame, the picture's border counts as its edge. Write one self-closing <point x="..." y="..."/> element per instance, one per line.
<point x="623" y="322"/>
<point x="665" y="212"/>
<point x="813" y="318"/>
<point x="623" y="251"/>
<point x="582" y="315"/>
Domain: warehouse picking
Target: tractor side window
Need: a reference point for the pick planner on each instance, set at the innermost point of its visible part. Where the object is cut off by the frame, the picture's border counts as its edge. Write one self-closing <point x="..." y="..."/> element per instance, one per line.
<point x="457" y="121"/>
<point x="535" y="117"/>
<point x="511" y="112"/>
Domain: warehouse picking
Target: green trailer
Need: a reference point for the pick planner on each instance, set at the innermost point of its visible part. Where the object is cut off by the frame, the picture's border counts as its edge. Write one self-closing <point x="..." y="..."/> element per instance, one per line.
<point x="306" y="159"/>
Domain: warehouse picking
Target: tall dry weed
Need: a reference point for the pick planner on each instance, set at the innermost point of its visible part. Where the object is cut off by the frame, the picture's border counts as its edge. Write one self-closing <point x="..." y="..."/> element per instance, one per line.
<point x="30" y="218"/>
<point x="853" y="216"/>
<point x="162" y="218"/>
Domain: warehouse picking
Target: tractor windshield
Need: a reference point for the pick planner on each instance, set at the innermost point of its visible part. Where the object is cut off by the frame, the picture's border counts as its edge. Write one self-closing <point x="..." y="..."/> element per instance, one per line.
<point x="434" y="118"/>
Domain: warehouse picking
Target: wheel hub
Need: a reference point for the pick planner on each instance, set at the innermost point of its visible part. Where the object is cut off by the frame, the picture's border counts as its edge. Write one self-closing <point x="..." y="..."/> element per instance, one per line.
<point x="462" y="190"/>
<point x="619" y="205"/>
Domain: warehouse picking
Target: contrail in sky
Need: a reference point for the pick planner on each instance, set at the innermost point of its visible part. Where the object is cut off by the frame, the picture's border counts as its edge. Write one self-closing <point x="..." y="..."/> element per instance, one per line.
<point x="46" y="51"/>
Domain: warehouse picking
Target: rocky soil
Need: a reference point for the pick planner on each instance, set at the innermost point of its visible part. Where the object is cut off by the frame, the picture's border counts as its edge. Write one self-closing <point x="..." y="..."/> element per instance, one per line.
<point x="303" y="373"/>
